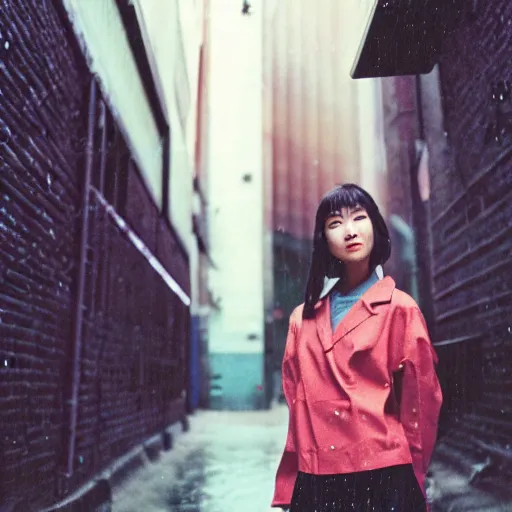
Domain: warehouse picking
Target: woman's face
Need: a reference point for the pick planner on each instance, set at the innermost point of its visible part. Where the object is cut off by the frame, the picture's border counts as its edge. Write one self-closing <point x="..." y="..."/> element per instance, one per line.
<point x="349" y="235"/>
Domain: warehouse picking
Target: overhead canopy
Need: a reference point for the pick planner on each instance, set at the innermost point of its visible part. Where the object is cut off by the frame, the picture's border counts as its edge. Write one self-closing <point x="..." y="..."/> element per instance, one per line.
<point x="405" y="37"/>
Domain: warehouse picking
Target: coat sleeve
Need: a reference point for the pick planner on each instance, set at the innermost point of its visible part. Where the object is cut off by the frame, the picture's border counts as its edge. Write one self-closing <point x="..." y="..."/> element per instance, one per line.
<point x="288" y="467"/>
<point x="421" y="393"/>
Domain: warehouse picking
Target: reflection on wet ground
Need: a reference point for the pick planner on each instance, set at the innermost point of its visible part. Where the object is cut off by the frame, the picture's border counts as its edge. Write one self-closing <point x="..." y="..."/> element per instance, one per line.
<point x="226" y="462"/>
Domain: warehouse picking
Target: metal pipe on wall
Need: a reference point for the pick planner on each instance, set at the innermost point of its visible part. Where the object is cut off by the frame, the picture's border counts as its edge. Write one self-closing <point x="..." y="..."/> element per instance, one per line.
<point x="79" y="311"/>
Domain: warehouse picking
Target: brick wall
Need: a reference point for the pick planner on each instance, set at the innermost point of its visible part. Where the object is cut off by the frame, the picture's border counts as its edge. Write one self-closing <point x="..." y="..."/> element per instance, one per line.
<point x="134" y="329"/>
<point x="43" y="91"/>
<point x="471" y="208"/>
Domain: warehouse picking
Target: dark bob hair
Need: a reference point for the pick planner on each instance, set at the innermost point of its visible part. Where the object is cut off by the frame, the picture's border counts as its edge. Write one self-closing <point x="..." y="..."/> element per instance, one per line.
<point x="322" y="262"/>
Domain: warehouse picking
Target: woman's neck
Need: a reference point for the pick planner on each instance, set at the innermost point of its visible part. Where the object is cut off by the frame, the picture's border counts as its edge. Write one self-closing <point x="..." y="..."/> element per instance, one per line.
<point x="354" y="276"/>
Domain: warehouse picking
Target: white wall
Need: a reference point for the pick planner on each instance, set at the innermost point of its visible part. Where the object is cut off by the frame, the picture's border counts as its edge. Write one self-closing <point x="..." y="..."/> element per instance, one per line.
<point x="98" y="25"/>
<point x="164" y="22"/>
<point x="235" y="148"/>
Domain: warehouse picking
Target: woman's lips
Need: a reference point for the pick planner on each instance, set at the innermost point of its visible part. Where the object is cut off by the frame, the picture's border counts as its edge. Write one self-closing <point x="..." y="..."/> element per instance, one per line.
<point x="354" y="247"/>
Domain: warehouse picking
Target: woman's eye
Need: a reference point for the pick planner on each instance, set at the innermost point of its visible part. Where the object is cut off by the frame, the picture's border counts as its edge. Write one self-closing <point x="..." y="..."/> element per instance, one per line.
<point x="360" y="217"/>
<point x="334" y="224"/>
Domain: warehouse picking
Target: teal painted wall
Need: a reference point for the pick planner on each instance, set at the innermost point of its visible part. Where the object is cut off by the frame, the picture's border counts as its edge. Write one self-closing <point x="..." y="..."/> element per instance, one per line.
<point x="237" y="381"/>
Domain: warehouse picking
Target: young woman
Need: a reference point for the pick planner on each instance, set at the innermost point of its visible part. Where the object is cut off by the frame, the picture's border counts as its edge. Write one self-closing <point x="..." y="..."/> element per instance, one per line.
<point x="358" y="375"/>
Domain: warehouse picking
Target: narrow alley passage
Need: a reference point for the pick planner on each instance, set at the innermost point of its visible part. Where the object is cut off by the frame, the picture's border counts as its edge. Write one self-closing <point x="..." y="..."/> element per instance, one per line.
<point x="161" y="166"/>
<point x="226" y="462"/>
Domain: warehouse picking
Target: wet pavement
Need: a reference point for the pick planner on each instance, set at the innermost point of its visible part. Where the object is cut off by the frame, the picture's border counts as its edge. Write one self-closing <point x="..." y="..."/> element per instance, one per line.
<point x="225" y="463"/>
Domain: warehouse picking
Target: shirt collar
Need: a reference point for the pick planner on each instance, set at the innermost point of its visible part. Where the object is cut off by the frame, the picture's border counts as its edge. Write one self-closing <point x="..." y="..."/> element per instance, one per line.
<point x="330" y="282"/>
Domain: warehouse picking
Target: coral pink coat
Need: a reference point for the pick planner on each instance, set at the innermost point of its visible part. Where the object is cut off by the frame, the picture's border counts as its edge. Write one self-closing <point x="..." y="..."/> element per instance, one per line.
<point x="340" y="389"/>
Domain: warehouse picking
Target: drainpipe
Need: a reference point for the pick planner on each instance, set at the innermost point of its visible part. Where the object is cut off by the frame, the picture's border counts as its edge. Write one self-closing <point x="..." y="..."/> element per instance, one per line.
<point x="421" y="223"/>
<point x="79" y="305"/>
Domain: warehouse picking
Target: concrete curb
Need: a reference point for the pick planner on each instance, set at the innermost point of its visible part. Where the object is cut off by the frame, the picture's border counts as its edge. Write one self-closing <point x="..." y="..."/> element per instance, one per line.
<point x="96" y="495"/>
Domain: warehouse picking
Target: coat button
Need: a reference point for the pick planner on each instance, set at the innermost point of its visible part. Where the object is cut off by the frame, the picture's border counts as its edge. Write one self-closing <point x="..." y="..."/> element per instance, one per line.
<point x="386" y="385"/>
<point x="337" y="413"/>
<point x="333" y="447"/>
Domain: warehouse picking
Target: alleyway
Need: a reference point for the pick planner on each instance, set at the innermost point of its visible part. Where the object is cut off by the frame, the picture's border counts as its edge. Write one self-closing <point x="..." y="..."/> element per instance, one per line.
<point x="161" y="164"/>
<point x="226" y="462"/>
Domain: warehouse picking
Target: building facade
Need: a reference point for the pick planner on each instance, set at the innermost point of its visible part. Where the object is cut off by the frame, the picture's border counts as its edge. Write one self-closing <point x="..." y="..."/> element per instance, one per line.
<point x="465" y="110"/>
<point x="97" y="242"/>
<point x="235" y="205"/>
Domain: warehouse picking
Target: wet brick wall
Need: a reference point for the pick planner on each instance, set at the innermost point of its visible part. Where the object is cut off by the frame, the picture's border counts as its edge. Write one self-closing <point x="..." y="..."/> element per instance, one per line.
<point x="471" y="212"/>
<point x="135" y="329"/>
<point x="41" y="101"/>
<point x="136" y="332"/>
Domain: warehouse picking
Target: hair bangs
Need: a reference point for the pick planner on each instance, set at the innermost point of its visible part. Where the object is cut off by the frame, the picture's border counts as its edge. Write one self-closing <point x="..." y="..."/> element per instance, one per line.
<point x="344" y="196"/>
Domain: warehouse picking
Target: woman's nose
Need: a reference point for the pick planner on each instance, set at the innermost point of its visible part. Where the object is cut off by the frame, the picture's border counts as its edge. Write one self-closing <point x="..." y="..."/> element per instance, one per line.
<point x="350" y="232"/>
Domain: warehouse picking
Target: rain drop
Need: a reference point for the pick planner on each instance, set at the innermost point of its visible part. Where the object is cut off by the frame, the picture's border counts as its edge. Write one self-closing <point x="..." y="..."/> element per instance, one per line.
<point x="5" y="134"/>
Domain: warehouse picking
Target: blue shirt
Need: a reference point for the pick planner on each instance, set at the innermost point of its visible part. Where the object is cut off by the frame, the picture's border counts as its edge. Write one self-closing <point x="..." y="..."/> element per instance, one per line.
<point x="341" y="304"/>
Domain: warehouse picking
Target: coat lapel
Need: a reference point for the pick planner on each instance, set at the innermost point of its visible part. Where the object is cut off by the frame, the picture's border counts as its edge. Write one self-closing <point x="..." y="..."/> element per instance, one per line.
<point x="380" y="293"/>
<point x="358" y="314"/>
<point x="323" y="323"/>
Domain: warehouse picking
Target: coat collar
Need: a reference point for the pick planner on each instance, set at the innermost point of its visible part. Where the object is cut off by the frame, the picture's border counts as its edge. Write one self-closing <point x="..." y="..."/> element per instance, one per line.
<point x="380" y="293"/>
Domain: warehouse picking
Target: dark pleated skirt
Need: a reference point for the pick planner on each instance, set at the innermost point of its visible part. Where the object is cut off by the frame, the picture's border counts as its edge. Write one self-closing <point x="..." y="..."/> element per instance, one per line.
<point x="392" y="489"/>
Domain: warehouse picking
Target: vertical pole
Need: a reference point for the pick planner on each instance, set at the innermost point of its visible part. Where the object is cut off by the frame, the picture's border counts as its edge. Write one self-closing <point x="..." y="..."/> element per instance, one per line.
<point x="100" y="219"/>
<point x="420" y="211"/>
<point x="72" y="402"/>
